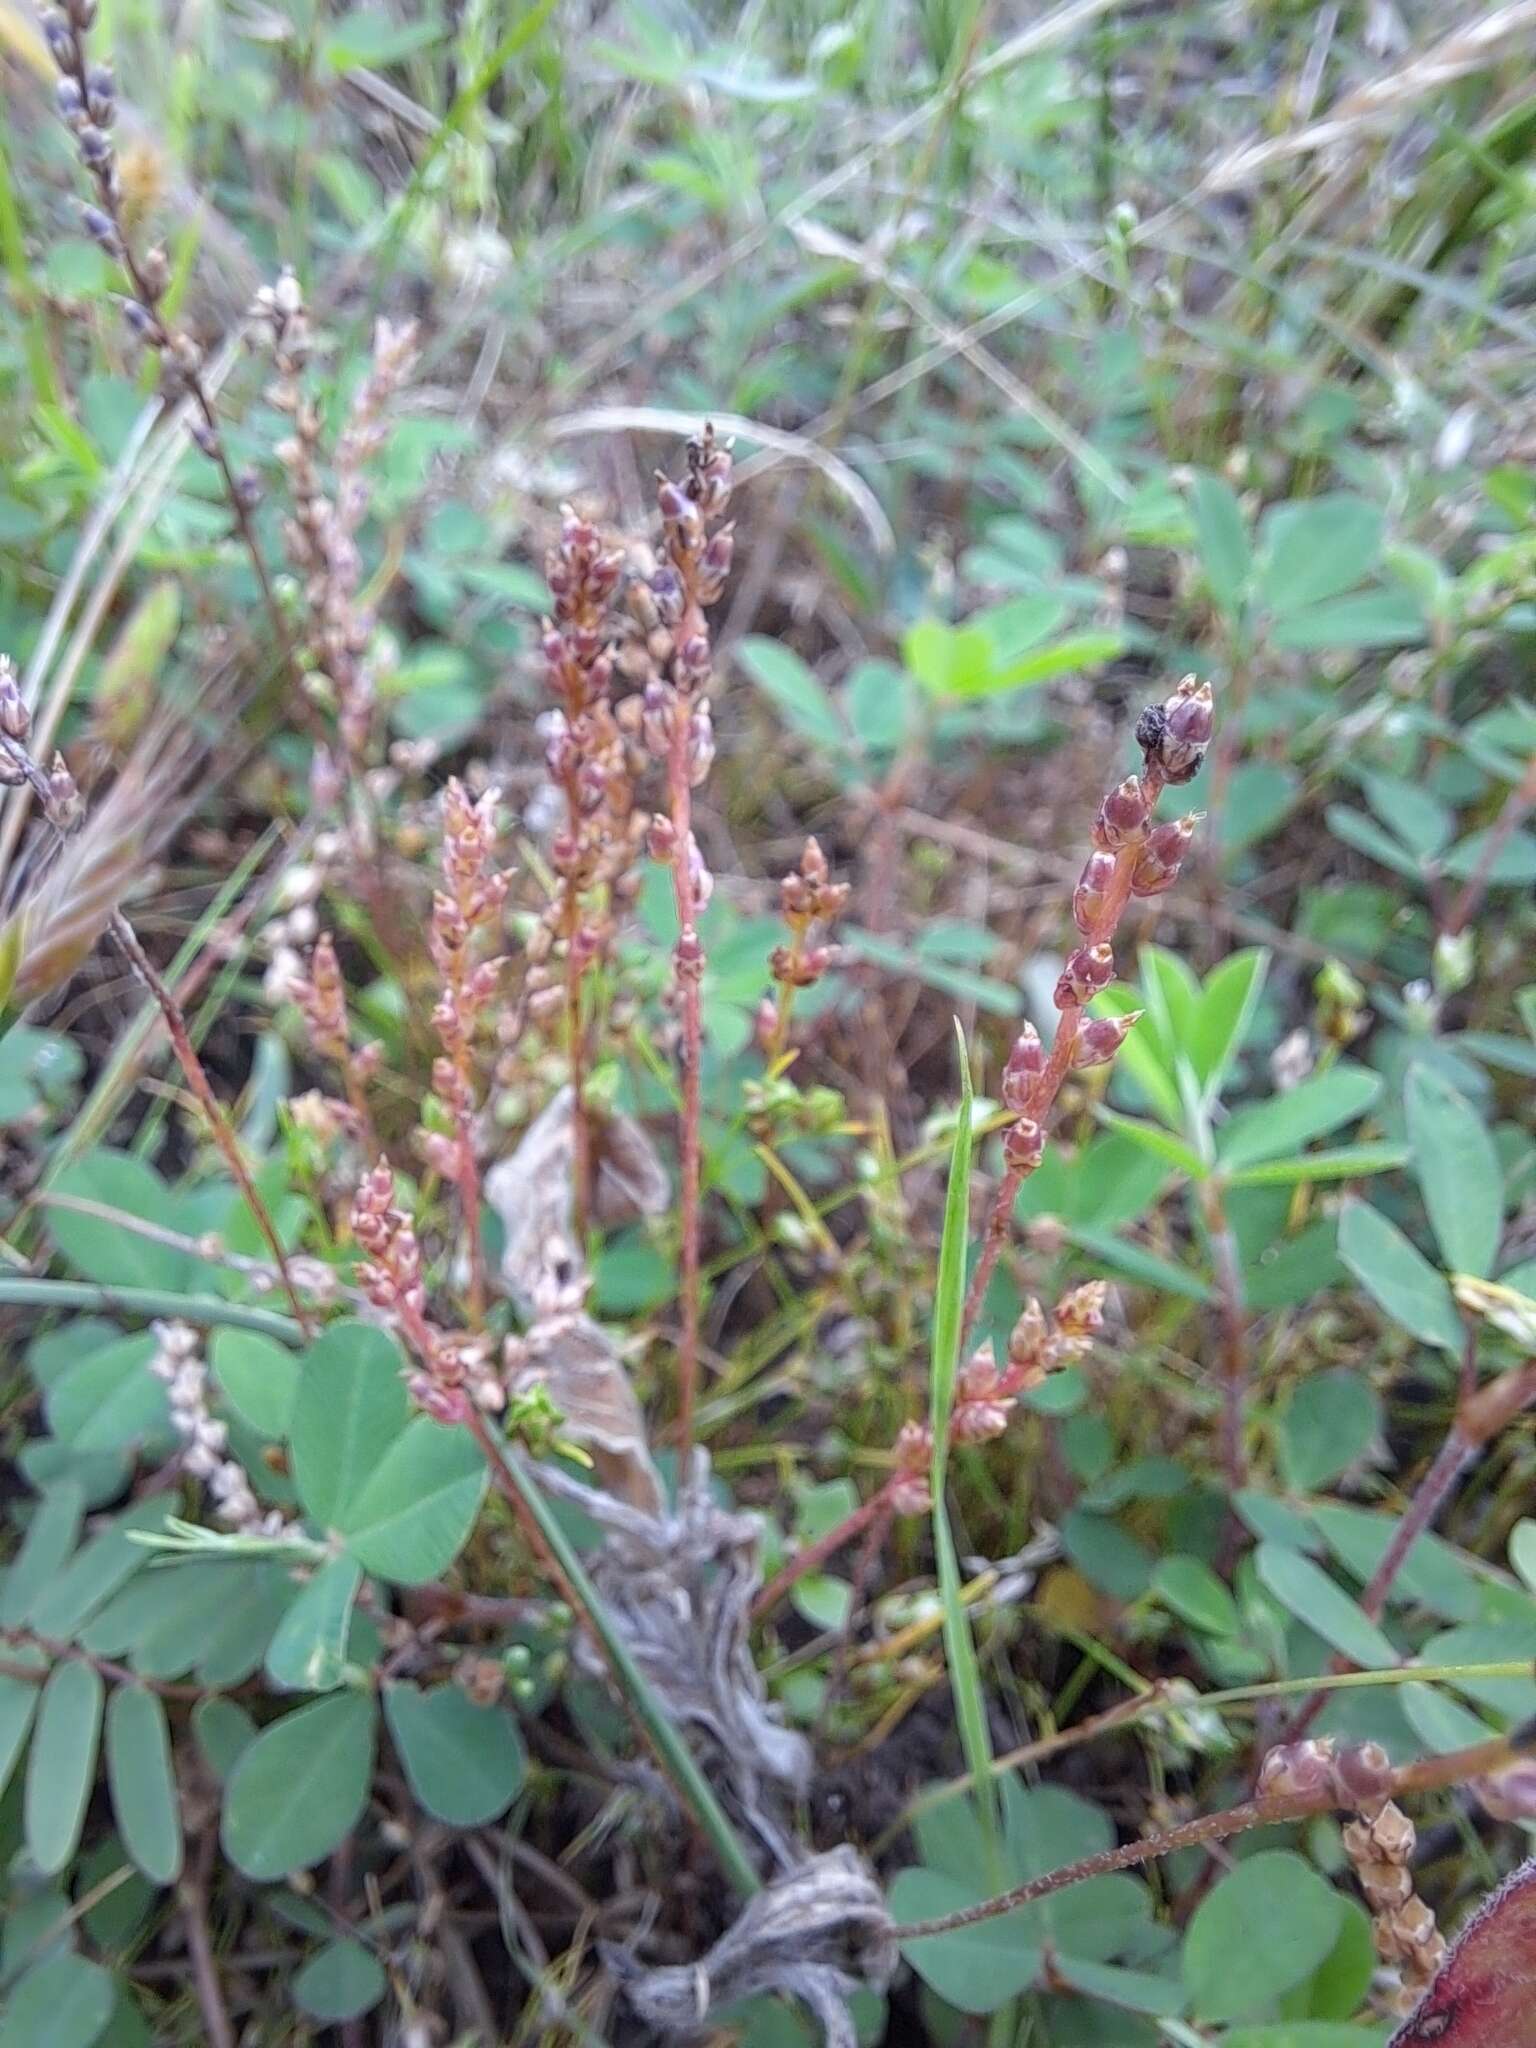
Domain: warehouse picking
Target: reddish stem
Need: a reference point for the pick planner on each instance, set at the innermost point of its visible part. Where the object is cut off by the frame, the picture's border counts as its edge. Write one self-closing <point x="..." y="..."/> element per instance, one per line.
<point x="1520" y="800"/>
<point x="812" y="1556"/>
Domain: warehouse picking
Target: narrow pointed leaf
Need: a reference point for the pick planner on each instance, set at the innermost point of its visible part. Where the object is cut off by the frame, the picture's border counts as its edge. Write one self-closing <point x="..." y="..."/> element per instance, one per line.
<point x="308" y="1653"/>
<point x="1397" y="1273"/>
<point x="1458" y="1172"/>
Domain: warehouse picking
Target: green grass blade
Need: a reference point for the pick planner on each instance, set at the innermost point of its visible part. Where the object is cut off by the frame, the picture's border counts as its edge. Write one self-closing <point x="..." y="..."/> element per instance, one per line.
<point x="669" y="1745"/>
<point x="948" y="1324"/>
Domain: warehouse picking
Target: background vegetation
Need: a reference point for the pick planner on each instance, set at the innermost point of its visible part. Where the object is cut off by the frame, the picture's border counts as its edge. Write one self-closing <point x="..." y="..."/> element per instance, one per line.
<point x="1065" y="353"/>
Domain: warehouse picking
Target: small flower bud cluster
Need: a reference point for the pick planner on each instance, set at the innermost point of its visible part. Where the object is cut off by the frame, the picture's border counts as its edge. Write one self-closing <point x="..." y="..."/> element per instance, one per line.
<point x="179" y="1365"/>
<point x="675" y="713"/>
<point x="1131" y="856"/>
<point x="321" y="533"/>
<point x="807" y="897"/>
<point x="322" y="996"/>
<point x="592" y="763"/>
<point x="465" y="911"/>
<point x="454" y="1372"/>
<point x="87" y="102"/>
<point x="986" y="1392"/>
<point x="1379" y="1844"/>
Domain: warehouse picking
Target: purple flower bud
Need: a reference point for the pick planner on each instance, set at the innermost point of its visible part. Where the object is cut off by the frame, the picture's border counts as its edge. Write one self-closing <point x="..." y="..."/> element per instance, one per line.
<point x="61" y="44"/>
<point x="67" y="98"/>
<point x="1090" y="900"/>
<point x="1100" y="1038"/>
<point x="673" y="502"/>
<point x="1088" y="970"/>
<point x="99" y="227"/>
<point x="95" y="146"/>
<point x="1122" y="814"/>
<point x="1158" y="867"/>
<point x="1025" y="1065"/>
<point x="1023" y="1146"/>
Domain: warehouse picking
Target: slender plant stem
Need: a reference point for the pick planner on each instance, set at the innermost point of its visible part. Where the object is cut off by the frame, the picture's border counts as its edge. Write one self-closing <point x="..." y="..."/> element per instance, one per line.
<point x="147" y="1303"/>
<point x="1520" y="800"/>
<point x="1430" y="1495"/>
<point x="1227" y="1272"/>
<point x="187" y="367"/>
<point x="202" y="1088"/>
<point x="690" y="974"/>
<point x="205" y="1970"/>
<point x="517" y="1487"/>
<point x="812" y="1556"/>
<point x="1426" y="1775"/>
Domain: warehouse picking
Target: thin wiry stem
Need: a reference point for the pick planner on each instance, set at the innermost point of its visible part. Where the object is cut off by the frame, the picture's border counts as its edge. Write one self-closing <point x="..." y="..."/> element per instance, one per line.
<point x="1427" y="1775"/>
<point x="229" y="1146"/>
<point x="177" y="351"/>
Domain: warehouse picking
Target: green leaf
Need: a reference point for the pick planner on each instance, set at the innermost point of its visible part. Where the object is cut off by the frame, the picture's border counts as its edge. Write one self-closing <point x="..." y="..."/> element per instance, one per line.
<point x="465" y="1763"/>
<point x="800" y="697"/>
<point x="410" y="1520"/>
<point x="224" y="1732"/>
<point x="18" y="1703"/>
<point x="1195" y="1593"/>
<point x="1355" y="829"/>
<point x="1316" y="548"/>
<point x="1399" y="1276"/>
<point x="1063" y="657"/>
<point x="308" y="1652"/>
<point x="97" y="1570"/>
<point x="975" y="1969"/>
<point x="339" y="1982"/>
<point x="944" y="1364"/>
<point x="64" y="2001"/>
<point x="949" y="661"/>
<point x="1512" y="866"/>
<point x="1154" y="1139"/>
<point x="98" y="1246"/>
<point x="143" y="1785"/>
<point x="50" y="1538"/>
<point x="996" y="997"/>
<point x="1458" y="1172"/>
<point x="1223" y="1016"/>
<point x="1342" y="1162"/>
<point x="299" y="1789"/>
<point x="259" y="1379"/>
<point x="1433" y="1575"/>
<point x="1221" y="538"/>
<point x="1410" y="812"/>
<point x="1265" y="1926"/>
<point x="1369" y="618"/>
<point x="1310" y="1110"/>
<point x="369" y="38"/>
<point x="108" y="1400"/>
<point x="350" y="1407"/>
<point x="1305" y="1590"/>
<point x="1331" y="1420"/>
<point x="62" y="1766"/>
<point x="1145" y="1267"/>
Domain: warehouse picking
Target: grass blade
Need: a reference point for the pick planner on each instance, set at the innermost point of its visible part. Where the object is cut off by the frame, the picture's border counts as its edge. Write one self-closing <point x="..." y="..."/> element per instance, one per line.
<point x="948" y="1320"/>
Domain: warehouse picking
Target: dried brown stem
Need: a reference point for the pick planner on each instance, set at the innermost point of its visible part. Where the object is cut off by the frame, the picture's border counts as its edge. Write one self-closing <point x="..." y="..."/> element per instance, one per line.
<point x="205" y="1970"/>
<point x="812" y="1556"/>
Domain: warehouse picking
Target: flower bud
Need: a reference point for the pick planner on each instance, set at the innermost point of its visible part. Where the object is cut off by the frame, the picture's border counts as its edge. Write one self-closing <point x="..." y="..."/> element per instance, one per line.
<point x="1157" y="869"/>
<point x="1088" y="970"/>
<point x="1100" y="1038"/>
<point x="1025" y="1065"/>
<point x="1122" y="814"/>
<point x="1297" y="1770"/>
<point x="1363" y="1772"/>
<point x="1023" y="1146"/>
<point x="1090" y="899"/>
